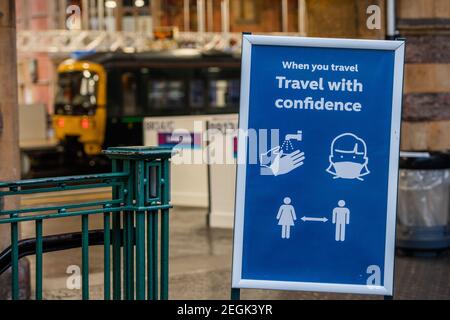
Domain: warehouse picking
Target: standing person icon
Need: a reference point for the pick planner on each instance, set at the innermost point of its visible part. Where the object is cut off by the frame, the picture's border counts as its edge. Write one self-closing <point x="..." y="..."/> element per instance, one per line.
<point x="286" y="217"/>
<point x="341" y="217"/>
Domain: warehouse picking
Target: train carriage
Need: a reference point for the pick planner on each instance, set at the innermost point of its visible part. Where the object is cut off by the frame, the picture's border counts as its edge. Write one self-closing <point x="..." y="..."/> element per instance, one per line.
<point x="102" y="99"/>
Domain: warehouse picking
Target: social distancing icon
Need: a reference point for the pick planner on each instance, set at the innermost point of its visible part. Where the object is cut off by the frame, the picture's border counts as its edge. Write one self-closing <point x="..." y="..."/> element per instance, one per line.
<point x="287" y="218"/>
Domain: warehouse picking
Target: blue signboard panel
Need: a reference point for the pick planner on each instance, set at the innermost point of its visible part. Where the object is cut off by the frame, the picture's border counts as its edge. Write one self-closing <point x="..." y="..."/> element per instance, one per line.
<point x="316" y="198"/>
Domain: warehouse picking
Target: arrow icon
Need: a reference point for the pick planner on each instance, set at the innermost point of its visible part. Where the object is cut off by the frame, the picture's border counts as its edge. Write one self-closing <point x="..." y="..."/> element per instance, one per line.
<point x="323" y="219"/>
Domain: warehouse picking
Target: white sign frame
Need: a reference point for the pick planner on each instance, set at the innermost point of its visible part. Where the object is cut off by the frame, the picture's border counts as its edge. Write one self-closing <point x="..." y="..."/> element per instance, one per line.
<point x="399" y="49"/>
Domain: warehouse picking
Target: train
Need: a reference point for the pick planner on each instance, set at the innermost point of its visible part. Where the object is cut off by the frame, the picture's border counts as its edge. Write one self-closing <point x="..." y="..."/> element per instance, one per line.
<point x="102" y="99"/>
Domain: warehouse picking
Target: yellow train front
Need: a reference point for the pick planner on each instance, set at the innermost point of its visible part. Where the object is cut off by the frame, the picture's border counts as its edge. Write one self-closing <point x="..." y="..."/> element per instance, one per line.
<point x="80" y="108"/>
<point x="102" y="99"/>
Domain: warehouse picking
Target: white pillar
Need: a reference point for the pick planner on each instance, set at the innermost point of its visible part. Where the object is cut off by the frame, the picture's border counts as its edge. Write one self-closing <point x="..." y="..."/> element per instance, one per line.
<point x="101" y="14"/>
<point x="85" y="14"/>
<point x="51" y="16"/>
<point x="210" y="15"/>
<point x="390" y="28"/>
<point x="93" y="15"/>
<point x="62" y="14"/>
<point x="284" y="15"/>
<point x="301" y="15"/>
<point x="186" y="16"/>
<point x="200" y="16"/>
<point x="156" y="14"/>
<point x="152" y="22"/>
<point x="225" y="10"/>
<point x="111" y="22"/>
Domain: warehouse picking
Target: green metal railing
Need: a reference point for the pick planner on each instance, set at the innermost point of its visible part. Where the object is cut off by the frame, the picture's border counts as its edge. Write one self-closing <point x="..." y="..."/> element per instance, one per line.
<point x="140" y="197"/>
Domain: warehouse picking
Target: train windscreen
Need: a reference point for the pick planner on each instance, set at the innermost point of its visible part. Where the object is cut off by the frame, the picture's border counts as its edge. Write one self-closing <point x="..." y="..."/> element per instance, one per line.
<point x="76" y="93"/>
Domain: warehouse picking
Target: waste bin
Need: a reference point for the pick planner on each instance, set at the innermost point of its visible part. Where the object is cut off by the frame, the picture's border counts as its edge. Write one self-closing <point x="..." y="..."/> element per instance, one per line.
<point x="423" y="216"/>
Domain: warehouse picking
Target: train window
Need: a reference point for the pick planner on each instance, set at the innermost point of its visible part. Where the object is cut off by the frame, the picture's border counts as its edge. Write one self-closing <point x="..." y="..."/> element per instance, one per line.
<point x="129" y="94"/>
<point x="166" y="94"/>
<point x="223" y="93"/>
<point x="197" y="93"/>
<point x="76" y="93"/>
<point x="114" y="93"/>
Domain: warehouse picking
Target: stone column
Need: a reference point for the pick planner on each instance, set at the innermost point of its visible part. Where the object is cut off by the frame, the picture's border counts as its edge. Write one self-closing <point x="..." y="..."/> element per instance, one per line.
<point x="426" y="109"/>
<point x="9" y="133"/>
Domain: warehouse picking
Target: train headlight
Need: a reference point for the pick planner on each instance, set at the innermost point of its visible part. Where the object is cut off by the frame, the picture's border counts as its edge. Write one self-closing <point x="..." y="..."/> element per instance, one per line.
<point x="60" y="122"/>
<point x="85" y="123"/>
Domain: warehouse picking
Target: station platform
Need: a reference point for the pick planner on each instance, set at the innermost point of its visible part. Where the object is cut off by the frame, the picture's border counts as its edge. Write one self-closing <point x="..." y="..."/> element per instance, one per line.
<point x="200" y="261"/>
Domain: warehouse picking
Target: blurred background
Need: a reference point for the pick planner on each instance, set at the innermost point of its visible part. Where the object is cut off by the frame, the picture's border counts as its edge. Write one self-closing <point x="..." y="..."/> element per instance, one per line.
<point x="92" y="74"/>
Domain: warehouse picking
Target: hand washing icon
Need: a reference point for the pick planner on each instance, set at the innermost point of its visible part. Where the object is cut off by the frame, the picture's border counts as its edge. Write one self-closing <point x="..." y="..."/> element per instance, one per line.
<point x="282" y="160"/>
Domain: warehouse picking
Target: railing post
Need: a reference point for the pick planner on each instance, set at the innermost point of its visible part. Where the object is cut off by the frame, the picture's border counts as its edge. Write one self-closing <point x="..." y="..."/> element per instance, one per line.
<point x="85" y="256"/>
<point x="140" y="231"/>
<point x="106" y="254"/>
<point x="15" y="260"/>
<point x="39" y="252"/>
<point x="140" y="201"/>
<point x="116" y="242"/>
<point x="128" y="227"/>
<point x="165" y="180"/>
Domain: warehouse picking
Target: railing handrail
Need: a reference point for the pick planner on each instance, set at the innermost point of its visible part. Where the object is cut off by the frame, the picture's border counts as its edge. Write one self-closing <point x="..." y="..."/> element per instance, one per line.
<point x="65" y="179"/>
<point x="84" y="212"/>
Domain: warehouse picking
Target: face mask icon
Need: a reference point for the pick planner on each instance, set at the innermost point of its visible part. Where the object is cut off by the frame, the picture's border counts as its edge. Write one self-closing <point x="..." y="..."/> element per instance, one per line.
<point x="348" y="158"/>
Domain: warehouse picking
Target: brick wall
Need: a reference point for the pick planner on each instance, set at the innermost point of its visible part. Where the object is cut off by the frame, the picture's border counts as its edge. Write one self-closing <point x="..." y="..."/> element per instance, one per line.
<point x="35" y="15"/>
<point x="426" y="26"/>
